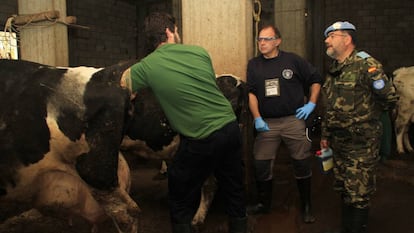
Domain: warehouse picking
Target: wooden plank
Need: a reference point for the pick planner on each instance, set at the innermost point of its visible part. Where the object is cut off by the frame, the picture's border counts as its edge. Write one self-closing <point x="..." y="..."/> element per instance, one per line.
<point x="290" y="18"/>
<point x="46" y="41"/>
<point x="224" y="28"/>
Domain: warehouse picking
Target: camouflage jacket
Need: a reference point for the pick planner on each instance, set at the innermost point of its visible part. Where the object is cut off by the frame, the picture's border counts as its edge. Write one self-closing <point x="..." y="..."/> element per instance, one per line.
<point x="355" y="92"/>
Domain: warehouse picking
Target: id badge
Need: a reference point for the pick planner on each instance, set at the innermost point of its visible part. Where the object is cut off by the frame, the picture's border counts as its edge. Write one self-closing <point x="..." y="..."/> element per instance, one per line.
<point x="272" y="87"/>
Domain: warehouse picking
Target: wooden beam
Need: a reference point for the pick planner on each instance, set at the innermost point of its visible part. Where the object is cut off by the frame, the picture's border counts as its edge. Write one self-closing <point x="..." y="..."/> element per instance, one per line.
<point x="46" y="40"/>
<point x="224" y="28"/>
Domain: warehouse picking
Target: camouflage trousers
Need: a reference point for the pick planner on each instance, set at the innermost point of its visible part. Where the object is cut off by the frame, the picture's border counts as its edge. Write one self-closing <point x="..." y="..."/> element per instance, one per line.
<point x="356" y="154"/>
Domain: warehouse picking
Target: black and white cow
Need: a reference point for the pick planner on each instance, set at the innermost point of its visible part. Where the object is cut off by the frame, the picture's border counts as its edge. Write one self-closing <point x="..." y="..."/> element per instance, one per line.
<point x="60" y="135"/>
<point x="150" y="135"/>
<point x="404" y="84"/>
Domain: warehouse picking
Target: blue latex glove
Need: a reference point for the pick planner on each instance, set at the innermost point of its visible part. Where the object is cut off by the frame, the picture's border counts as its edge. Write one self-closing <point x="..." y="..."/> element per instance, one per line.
<point x="260" y="125"/>
<point x="305" y="111"/>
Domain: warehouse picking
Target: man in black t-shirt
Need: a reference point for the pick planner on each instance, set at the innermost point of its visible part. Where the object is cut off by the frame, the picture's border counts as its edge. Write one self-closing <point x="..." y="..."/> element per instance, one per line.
<point x="278" y="85"/>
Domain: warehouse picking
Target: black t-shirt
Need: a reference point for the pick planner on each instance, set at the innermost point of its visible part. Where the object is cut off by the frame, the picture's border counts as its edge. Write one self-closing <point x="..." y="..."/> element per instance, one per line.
<point x="287" y="78"/>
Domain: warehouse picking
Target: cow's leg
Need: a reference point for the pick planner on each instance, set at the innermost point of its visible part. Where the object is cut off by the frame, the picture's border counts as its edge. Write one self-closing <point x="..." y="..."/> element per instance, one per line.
<point x="124" y="174"/>
<point x="163" y="172"/>
<point x="64" y="195"/>
<point x="406" y="140"/>
<point x="207" y="194"/>
<point x="120" y="207"/>
<point x="399" y="141"/>
<point x="401" y="127"/>
<point x="124" y="178"/>
<point x="164" y="167"/>
<point x="118" y="204"/>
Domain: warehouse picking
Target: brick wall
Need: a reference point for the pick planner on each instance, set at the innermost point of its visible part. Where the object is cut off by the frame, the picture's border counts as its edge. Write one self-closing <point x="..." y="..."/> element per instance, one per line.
<point x="112" y="34"/>
<point x="7" y="8"/>
<point x="111" y="37"/>
<point x="384" y="28"/>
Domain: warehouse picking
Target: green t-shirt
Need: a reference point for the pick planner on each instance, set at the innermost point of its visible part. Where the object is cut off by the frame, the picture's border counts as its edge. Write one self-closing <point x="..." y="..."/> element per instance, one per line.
<point x="183" y="80"/>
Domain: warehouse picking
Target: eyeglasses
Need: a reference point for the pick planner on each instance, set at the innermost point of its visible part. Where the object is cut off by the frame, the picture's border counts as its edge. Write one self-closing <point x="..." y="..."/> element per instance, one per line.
<point x="332" y="35"/>
<point x="266" y="39"/>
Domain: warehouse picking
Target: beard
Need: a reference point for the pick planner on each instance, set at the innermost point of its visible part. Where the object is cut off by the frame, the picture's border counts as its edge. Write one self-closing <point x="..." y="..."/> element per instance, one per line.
<point x="331" y="53"/>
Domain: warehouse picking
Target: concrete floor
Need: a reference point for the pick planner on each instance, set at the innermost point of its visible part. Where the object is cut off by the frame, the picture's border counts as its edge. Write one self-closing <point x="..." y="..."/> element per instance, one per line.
<point x="392" y="209"/>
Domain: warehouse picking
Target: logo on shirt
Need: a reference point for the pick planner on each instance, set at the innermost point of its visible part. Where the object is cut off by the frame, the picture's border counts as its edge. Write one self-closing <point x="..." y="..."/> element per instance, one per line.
<point x="287" y="73"/>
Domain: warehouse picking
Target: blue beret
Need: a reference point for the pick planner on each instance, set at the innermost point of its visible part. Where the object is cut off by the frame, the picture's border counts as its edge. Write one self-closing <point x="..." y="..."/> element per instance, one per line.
<point x="340" y="26"/>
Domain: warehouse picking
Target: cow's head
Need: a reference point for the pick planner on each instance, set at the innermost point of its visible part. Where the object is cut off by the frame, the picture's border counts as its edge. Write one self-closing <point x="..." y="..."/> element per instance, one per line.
<point x="236" y="91"/>
<point x="148" y="122"/>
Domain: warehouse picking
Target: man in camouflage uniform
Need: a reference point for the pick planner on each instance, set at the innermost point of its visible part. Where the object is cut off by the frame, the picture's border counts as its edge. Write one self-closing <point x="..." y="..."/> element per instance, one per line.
<point x="356" y="91"/>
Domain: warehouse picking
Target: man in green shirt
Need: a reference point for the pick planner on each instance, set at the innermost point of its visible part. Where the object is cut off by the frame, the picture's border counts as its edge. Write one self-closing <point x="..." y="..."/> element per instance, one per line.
<point x="183" y="80"/>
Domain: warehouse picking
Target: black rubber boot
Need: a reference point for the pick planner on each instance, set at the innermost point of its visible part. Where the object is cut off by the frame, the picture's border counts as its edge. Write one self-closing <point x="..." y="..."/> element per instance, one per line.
<point x="238" y="225"/>
<point x="357" y="220"/>
<point x="304" y="186"/>
<point x="345" y="217"/>
<point x="264" y="192"/>
<point x="181" y="228"/>
<point x="346" y="213"/>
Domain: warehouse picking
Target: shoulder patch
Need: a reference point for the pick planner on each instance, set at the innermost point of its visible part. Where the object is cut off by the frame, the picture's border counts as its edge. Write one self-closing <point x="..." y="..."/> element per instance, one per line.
<point x="378" y="84"/>
<point x="363" y="55"/>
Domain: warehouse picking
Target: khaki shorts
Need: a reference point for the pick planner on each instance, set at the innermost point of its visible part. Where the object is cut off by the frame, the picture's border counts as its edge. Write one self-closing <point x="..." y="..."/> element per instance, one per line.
<point x="291" y="131"/>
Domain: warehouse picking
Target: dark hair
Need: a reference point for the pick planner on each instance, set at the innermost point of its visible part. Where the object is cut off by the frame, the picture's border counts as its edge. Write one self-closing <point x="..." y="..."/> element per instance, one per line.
<point x="274" y="28"/>
<point x="154" y="27"/>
